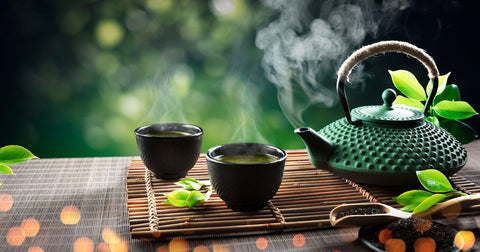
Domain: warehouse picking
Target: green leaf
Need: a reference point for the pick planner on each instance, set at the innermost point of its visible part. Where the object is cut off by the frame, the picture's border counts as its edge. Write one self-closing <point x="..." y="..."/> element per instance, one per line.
<point x="451" y="93"/>
<point x="433" y="119"/>
<point x="434" y="181"/>
<point x="430" y="201"/>
<point x="14" y="154"/>
<point x="189" y="183"/>
<point x="402" y="100"/>
<point x="442" y="82"/>
<point x="178" y="197"/>
<point x="408" y="208"/>
<point x="454" y="110"/>
<point x="5" y="169"/>
<point x="413" y="197"/>
<point x="408" y="84"/>
<point x="194" y="198"/>
<point x="460" y="130"/>
<point x="182" y="198"/>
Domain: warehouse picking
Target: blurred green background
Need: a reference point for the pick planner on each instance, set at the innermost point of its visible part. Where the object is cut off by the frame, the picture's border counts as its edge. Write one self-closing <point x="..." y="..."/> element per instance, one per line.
<point x="79" y="76"/>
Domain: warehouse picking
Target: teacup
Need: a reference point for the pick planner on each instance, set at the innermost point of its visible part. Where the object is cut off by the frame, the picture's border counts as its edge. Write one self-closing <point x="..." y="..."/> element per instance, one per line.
<point x="169" y="150"/>
<point x="246" y="175"/>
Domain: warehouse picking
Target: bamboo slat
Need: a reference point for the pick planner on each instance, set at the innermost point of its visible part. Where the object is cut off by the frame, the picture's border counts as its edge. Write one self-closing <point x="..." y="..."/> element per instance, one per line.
<point x="303" y="201"/>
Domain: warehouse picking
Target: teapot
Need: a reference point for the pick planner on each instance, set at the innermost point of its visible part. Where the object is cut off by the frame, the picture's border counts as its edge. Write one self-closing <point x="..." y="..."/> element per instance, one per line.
<point x="383" y="144"/>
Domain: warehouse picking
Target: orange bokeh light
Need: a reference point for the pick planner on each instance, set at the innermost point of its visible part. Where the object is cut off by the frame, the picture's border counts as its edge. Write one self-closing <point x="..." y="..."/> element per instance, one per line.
<point x="109" y="236"/>
<point x="121" y="246"/>
<point x="395" y="245"/>
<point x="217" y="247"/>
<point x="384" y="236"/>
<point x="261" y="243"/>
<point x="178" y="244"/>
<point x="6" y="202"/>
<point x="201" y="248"/>
<point x="162" y="249"/>
<point x="425" y="245"/>
<point x="83" y="244"/>
<point x="115" y="242"/>
<point x="35" y="249"/>
<point x="70" y="215"/>
<point x="452" y="211"/>
<point x="299" y="240"/>
<point x="15" y="236"/>
<point x="103" y="247"/>
<point x="464" y="240"/>
<point x="30" y="226"/>
<point x="423" y="224"/>
<point x="156" y="234"/>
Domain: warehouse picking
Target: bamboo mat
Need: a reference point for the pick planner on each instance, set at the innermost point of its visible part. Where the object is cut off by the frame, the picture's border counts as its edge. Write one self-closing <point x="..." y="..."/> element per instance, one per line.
<point x="303" y="201"/>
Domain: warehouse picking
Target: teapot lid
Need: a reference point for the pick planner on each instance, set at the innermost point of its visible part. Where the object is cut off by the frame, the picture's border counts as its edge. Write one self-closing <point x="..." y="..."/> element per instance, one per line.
<point x="389" y="114"/>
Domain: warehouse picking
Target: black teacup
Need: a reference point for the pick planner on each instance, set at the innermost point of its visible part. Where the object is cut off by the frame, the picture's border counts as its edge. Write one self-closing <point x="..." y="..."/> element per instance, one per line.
<point x="246" y="175"/>
<point x="169" y="150"/>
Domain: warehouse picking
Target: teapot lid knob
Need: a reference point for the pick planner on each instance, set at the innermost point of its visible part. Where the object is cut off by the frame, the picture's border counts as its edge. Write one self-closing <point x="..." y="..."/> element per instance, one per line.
<point x="389" y="97"/>
<point x="388" y="115"/>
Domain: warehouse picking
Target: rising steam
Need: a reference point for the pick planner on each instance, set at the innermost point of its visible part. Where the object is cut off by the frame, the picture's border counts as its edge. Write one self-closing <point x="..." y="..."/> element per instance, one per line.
<point x="303" y="52"/>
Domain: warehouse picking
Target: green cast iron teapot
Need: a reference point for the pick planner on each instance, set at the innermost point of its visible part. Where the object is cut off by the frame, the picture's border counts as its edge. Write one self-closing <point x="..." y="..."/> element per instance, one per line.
<point x="386" y="144"/>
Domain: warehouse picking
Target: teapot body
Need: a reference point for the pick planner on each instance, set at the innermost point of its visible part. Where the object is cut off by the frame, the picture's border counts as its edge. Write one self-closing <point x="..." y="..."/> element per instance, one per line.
<point x="384" y="144"/>
<point x="390" y="156"/>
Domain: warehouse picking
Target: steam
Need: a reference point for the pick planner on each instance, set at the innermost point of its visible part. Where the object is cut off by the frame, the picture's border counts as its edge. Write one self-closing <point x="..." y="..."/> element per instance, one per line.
<point x="167" y="93"/>
<point x="302" y="53"/>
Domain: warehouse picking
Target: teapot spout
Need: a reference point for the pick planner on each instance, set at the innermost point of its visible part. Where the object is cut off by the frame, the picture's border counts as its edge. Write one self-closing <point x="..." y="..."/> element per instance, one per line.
<point x="319" y="148"/>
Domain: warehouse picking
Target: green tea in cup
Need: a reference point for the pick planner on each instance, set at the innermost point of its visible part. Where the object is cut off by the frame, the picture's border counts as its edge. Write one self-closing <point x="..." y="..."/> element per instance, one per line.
<point x="248" y="158"/>
<point x="167" y="134"/>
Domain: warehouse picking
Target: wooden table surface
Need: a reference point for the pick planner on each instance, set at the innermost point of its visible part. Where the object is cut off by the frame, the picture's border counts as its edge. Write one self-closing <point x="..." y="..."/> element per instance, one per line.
<point x="80" y="204"/>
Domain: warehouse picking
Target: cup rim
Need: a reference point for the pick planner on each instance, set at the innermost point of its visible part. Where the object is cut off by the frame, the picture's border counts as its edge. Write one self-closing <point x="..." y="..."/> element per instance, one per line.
<point x="199" y="133"/>
<point x="210" y="158"/>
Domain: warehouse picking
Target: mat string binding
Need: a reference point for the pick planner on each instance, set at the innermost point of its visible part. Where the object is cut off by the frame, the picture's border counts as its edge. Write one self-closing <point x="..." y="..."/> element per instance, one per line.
<point x="152" y="206"/>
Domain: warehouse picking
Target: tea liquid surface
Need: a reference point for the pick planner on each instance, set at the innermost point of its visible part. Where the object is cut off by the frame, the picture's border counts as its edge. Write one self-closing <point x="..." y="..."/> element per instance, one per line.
<point x="168" y="134"/>
<point x="250" y="158"/>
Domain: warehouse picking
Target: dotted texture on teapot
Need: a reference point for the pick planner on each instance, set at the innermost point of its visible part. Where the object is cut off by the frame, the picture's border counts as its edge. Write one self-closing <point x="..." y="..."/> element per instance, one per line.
<point x="405" y="150"/>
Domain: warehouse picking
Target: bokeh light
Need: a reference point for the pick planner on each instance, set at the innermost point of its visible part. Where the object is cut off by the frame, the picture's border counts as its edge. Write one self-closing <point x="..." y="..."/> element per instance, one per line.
<point x="159" y="5"/>
<point x="103" y="247"/>
<point x="83" y="244"/>
<point x="299" y="240"/>
<point x="384" y="235"/>
<point x="115" y="242"/>
<point x="6" y="202"/>
<point x="464" y="240"/>
<point x="425" y="244"/>
<point x="109" y="33"/>
<point x="201" y="248"/>
<point x="163" y="248"/>
<point x="223" y="7"/>
<point x="70" y="215"/>
<point x="35" y="249"/>
<point x="261" y="243"/>
<point x="452" y="211"/>
<point x="30" y="226"/>
<point x="156" y="234"/>
<point x="395" y="245"/>
<point x="218" y="247"/>
<point x="178" y="244"/>
<point x="15" y="236"/>
<point x="423" y="224"/>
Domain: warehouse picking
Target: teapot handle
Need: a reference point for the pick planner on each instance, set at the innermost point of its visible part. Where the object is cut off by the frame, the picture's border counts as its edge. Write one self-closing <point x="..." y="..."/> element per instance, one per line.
<point x="383" y="47"/>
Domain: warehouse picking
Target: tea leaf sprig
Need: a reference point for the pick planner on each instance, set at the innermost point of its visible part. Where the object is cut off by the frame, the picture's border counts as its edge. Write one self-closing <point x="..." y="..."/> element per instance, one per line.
<point x="190" y="195"/>
<point x="438" y="188"/>
<point x="13" y="154"/>
<point x="447" y="108"/>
